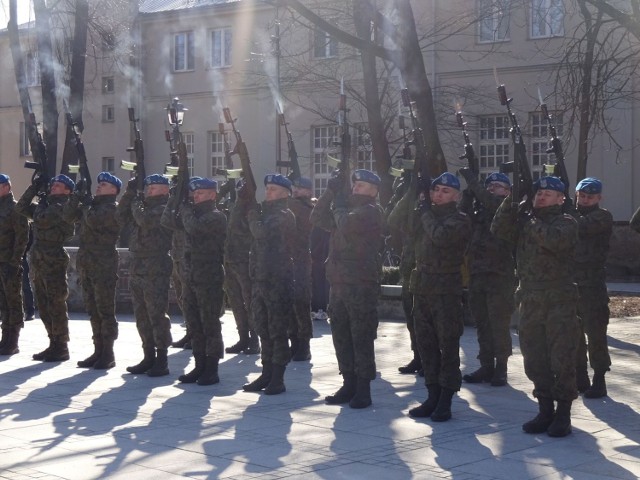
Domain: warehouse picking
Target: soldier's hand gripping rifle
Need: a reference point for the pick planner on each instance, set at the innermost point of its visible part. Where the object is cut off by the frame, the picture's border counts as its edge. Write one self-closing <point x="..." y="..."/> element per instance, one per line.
<point x="241" y="150"/>
<point x="522" y="179"/>
<point x="559" y="169"/>
<point x="230" y="173"/>
<point x="292" y="164"/>
<point x="40" y="177"/>
<point x="138" y="149"/>
<point x="175" y="112"/>
<point x="83" y="184"/>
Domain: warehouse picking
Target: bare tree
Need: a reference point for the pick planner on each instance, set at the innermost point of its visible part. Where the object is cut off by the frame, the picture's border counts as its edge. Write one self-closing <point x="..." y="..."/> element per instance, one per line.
<point x="630" y="21"/>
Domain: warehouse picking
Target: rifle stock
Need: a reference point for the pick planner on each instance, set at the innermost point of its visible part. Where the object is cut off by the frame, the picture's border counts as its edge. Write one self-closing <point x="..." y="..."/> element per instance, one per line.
<point x="82" y="168"/>
<point x="138" y="148"/>
<point x="421" y="166"/>
<point x="175" y="108"/>
<point x="293" y="163"/>
<point x="559" y="169"/>
<point x="469" y="153"/>
<point x="240" y="149"/>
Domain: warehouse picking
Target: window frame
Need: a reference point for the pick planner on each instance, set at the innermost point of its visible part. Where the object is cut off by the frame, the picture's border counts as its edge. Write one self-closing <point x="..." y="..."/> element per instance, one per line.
<point x="328" y="43"/>
<point x="539" y="138"/>
<point x="108" y="85"/>
<point x="188" y="51"/>
<point x="494" y="143"/>
<point x="108" y="164"/>
<point x="500" y="13"/>
<point x="108" y="113"/>
<point x="322" y="143"/>
<point x="216" y="154"/>
<point x="226" y="47"/>
<point x="541" y="12"/>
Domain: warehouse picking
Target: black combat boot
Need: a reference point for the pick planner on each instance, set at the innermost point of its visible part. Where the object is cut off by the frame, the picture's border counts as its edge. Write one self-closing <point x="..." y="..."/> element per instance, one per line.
<point x="3" y="340"/>
<point x="303" y="352"/>
<point x="561" y="424"/>
<point x="442" y="413"/>
<point x="582" y="379"/>
<point x="483" y="374"/>
<point x="41" y="355"/>
<point x="413" y="366"/>
<point x="11" y="335"/>
<point x="276" y="384"/>
<point x="107" y="358"/>
<point x="499" y="378"/>
<point x="240" y="345"/>
<point x="93" y="358"/>
<point x="262" y="381"/>
<point x="253" y="348"/>
<point x="194" y="374"/>
<point x="541" y="422"/>
<point x="426" y="408"/>
<point x="160" y="367"/>
<point x="182" y="342"/>
<point x="362" y="398"/>
<point x="598" y="388"/>
<point x="294" y="346"/>
<point x="345" y="393"/>
<point x="59" y="351"/>
<point x="146" y="363"/>
<point x="210" y="374"/>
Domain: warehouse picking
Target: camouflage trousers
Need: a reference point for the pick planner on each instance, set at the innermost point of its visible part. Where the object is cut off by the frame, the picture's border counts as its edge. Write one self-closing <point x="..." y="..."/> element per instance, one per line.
<point x="407" y="308"/>
<point x="49" y="271"/>
<point x="271" y="304"/>
<point x="99" y="294"/>
<point x="202" y="301"/>
<point x="178" y="276"/>
<point x="593" y="313"/>
<point x="301" y="325"/>
<point x="237" y="286"/>
<point x="149" y="286"/>
<point x="439" y="326"/>
<point x="492" y="304"/>
<point x="11" y="311"/>
<point x="354" y="327"/>
<point x="549" y="341"/>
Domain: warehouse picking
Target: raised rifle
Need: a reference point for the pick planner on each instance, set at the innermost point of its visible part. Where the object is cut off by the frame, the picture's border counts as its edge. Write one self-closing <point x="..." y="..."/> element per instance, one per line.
<point x="241" y="150"/>
<point x="403" y="164"/>
<point x="175" y="111"/>
<point x="39" y="154"/>
<point x="138" y="149"/>
<point x="292" y="164"/>
<point x="522" y="179"/>
<point x="469" y="152"/>
<point x="558" y="169"/>
<point x="83" y="184"/>
<point x="342" y="166"/>
<point x="420" y="163"/>
<point x="230" y="173"/>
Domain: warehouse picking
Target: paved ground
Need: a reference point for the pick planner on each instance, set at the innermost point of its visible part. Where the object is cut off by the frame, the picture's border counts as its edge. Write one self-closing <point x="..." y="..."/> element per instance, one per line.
<point x="58" y="421"/>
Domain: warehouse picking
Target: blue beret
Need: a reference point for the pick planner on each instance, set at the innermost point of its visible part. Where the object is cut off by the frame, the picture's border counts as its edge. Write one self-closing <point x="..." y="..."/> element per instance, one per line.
<point x="303" y="182"/>
<point x="4" y="178"/>
<point x="156" y="179"/>
<point x="549" y="183"/>
<point x="110" y="178"/>
<point x="277" y="179"/>
<point x="70" y="184"/>
<point x="497" y="177"/>
<point x="365" y="176"/>
<point x="448" y="180"/>
<point x="202" y="184"/>
<point x="589" y="185"/>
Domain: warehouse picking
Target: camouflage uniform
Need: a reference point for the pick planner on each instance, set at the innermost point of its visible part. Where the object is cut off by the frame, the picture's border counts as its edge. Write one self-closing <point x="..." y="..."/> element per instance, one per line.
<point x="97" y="261"/>
<point x="150" y="267"/>
<point x="595" y="226"/>
<point x="491" y="286"/>
<point x="271" y="270"/>
<point x="301" y="327"/>
<point x="547" y="296"/>
<point x="49" y="260"/>
<point x="353" y="271"/>
<point x="14" y="233"/>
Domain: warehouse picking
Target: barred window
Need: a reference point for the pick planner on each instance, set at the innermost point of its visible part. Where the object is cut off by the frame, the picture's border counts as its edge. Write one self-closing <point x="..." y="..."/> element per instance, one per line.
<point x="216" y="158"/>
<point x="495" y="143"/>
<point x="324" y="139"/>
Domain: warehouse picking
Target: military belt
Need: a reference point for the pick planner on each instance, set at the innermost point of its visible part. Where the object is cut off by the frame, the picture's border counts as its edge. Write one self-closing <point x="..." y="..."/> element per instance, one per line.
<point x="546" y="285"/>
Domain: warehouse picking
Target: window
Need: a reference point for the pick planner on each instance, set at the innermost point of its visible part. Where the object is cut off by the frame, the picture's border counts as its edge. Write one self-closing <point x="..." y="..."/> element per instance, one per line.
<point x="216" y="160"/>
<point x="32" y="70"/>
<point x="324" y="139"/>
<point x="183" y="59"/>
<point x="364" y="149"/>
<point x="495" y="143"/>
<point x="540" y="137"/>
<point x="25" y="147"/>
<point x="108" y="164"/>
<point x="189" y="142"/>
<point x="494" y="20"/>
<point x="220" y="47"/>
<point x="108" y="113"/>
<point x="108" y="85"/>
<point x="324" y="46"/>
<point x="547" y="18"/>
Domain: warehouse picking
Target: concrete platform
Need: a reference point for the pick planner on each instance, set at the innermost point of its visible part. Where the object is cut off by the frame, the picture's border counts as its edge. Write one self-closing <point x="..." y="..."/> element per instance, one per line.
<point x="61" y="422"/>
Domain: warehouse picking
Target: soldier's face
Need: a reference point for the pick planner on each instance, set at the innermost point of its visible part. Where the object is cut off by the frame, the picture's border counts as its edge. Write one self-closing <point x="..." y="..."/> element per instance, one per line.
<point x="442" y="194"/>
<point x="106" y="188"/>
<point x="156" y="190"/>
<point x="5" y="188"/>
<point x="59" y="188"/>
<point x="202" y="195"/>
<point x="364" y="188"/>
<point x="587" y="199"/>
<point x="499" y="188"/>
<point x="275" y="192"/>
<point x="301" y="192"/>
<point x="547" y="198"/>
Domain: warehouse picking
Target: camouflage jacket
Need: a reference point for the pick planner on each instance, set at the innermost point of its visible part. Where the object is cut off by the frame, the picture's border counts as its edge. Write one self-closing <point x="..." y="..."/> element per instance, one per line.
<point x="270" y="257"/>
<point x="444" y="234"/>
<point x="50" y="227"/>
<point x="595" y="226"/>
<point x="238" y="241"/>
<point x="546" y="243"/>
<point x="206" y="229"/>
<point x="356" y="238"/>
<point x="14" y="231"/>
<point x="400" y="219"/>
<point x="172" y="221"/>
<point x="486" y="253"/>
<point x="301" y="208"/>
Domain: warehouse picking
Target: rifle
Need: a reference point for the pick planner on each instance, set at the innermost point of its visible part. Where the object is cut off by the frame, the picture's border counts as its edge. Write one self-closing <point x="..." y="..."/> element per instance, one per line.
<point x="295" y="173"/>
<point x="83" y="184"/>
<point x="138" y="149"/>
<point x="175" y="112"/>
<point x="469" y="152"/>
<point x="39" y="153"/>
<point x="230" y="173"/>
<point x="421" y="163"/>
<point x="342" y="166"/>
<point x="522" y="179"/>
<point x="404" y="164"/>
<point x="241" y="150"/>
<point x="559" y="169"/>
